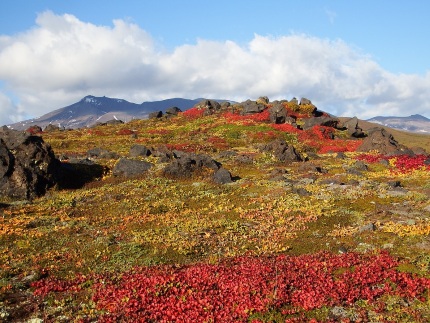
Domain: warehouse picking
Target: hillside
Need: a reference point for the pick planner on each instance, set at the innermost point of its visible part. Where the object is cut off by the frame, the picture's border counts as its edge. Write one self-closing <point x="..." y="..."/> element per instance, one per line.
<point x="249" y="212"/>
<point x="91" y="110"/>
<point x="414" y="123"/>
<point x="408" y="138"/>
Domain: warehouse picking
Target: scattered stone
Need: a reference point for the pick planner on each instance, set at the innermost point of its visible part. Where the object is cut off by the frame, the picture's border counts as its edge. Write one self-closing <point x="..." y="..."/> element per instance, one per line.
<point x="209" y="106"/>
<point x="245" y="159"/>
<point x="50" y="128"/>
<point x="393" y="184"/>
<point x="310" y="167"/>
<point x="130" y="167"/>
<point x="252" y="107"/>
<point x="320" y="121"/>
<point x="139" y="151"/>
<point x="222" y="176"/>
<point x="114" y="122"/>
<point x="173" y="111"/>
<point x="227" y="154"/>
<point x="340" y="155"/>
<point x="367" y="227"/>
<point x="155" y="115"/>
<point x="102" y="153"/>
<point x="351" y="125"/>
<point x="186" y="164"/>
<point x="301" y="191"/>
<point x="282" y="151"/>
<point x="278" y="174"/>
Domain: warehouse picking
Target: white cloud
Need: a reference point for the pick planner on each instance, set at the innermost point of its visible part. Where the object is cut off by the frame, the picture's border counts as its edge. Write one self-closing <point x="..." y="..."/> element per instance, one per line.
<point x="63" y="59"/>
<point x="9" y="112"/>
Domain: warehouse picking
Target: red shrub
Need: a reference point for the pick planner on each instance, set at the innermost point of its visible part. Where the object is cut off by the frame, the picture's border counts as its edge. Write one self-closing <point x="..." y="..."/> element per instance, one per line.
<point x="236" y="288"/>
<point x="125" y="132"/>
<point x="193" y="113"/>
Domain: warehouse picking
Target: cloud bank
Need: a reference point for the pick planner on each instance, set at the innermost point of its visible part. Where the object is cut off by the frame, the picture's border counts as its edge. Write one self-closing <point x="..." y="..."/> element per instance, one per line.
<point x="62" y="59"/>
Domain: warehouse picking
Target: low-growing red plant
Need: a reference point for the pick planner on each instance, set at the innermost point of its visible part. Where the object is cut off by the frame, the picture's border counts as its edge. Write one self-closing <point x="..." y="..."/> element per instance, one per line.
<point x="236" y="288"/>
<point x="403" y="164"/>
<point x="193" y="113"/>
<point x="256" y="117"/>
<point x="125" y="132"/>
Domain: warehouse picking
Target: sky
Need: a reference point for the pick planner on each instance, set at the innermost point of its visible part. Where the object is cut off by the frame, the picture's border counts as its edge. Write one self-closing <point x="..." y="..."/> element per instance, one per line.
<point x="350" y="58"/>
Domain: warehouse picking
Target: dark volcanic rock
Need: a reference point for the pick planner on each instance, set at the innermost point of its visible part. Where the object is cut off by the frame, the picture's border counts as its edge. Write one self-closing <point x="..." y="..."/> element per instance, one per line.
<point x="209" y="106"/>
<point x="28" y="167"/>
<point x="155" y="115"/>
<point x="251" y="107"/>
<point x="278" y="114"/>
<point x="173" y="111"/>
<point x="222" y="176"/>
<point x="185" y="165"/>
<point x="130" y="167"/>
<point x="139" y="151"/>
<point x="382" y="141"/>
<point x="102" y="153"/>
<point x="320" y="121"/>
<point x="51" y="127"/>
<point x="282" y="151"/>
<point x="351" y="125"/>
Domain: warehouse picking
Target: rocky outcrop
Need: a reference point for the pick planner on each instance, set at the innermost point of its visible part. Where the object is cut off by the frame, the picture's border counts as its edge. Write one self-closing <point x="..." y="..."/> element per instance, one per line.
<point x="130" y="167"/>
<point x="222" y="176"/>
<point x="28" y="167"/>
<point x="102" y="153"/>
<point x="51" y="128"/>
<point x="139" y="151"/>
<point x="155" y="115"/>
<point x="277" y="113"/>
<point x="172" y="111"/>
<point x="185" y="165"/>
<point x="320" y="121"/>
<point x="381" y="140"/>
<point x="351" y="125"/>
<point x="251" y="107"/>
<point x="282" y="151"/>
<point x="209" y="106"/>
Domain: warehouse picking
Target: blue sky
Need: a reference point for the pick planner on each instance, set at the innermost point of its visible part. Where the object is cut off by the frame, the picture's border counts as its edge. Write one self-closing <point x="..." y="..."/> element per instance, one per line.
<point x="361" y="58"/>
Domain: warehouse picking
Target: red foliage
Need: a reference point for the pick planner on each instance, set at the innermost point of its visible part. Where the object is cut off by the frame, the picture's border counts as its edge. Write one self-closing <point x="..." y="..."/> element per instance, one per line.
<point x="256" y="117"/>
<point x="193" y="113"/>
<point x="406" y="163"/>
<point x="402" y="163"/>
<point x="286" y="127"/>
<point x="236" y="288"/>
<point x="125" y="132"/>
<point x="218" y="142"/>
<point x="185" y="147"/>
<point x="158" y="131"/>
<point x="95" y="132"/>
<point x="338" y="145"/>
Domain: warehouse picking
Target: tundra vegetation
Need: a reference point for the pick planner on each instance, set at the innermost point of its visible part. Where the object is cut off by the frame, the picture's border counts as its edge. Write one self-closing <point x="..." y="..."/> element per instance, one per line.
<point x="252" y="212"/>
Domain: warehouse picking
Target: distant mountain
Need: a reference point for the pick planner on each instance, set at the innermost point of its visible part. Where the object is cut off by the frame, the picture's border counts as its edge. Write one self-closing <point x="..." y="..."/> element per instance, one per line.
<point x="91" y="110"/>
<point x="414" y="123"/>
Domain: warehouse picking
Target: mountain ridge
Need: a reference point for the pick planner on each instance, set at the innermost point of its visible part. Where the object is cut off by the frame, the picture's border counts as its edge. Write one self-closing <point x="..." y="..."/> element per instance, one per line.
<point x="91" y="109"/>
<point x="413" y="123"/>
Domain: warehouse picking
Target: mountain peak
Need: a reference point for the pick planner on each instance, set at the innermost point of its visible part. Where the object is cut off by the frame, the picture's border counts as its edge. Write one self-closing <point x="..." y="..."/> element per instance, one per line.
<point x="418" y="117"/>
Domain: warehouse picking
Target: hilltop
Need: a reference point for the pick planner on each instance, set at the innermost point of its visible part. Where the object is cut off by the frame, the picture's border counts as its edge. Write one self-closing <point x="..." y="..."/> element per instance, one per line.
<point x="91" y="110"/>
<point x="256" y="211"/>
